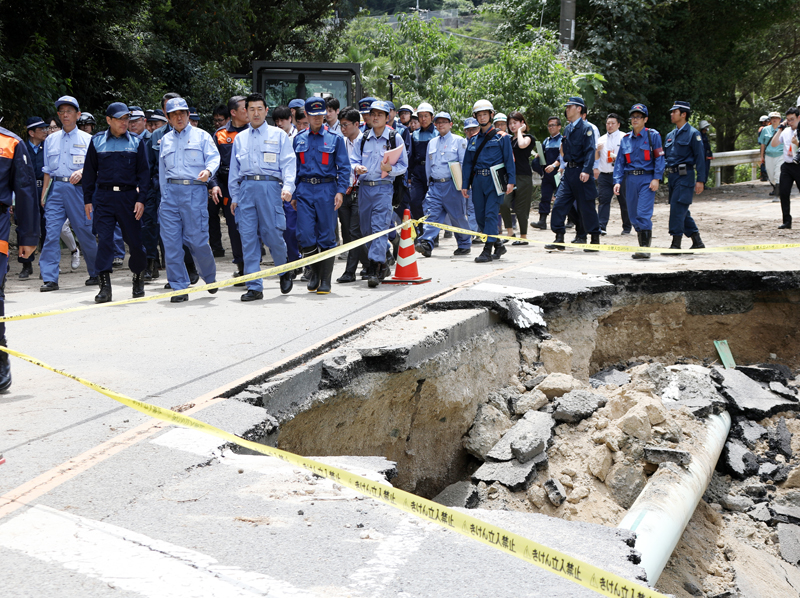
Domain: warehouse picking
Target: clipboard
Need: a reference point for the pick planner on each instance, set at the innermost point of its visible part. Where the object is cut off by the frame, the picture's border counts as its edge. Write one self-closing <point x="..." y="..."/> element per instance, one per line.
<point x="540" y="153"/>
<point x="499" y="178"/>
<point x="455" y="172"/>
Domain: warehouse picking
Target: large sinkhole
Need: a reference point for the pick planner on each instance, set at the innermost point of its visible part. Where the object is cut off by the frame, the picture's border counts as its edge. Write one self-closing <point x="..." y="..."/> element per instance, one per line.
<point x="414" y="400"/>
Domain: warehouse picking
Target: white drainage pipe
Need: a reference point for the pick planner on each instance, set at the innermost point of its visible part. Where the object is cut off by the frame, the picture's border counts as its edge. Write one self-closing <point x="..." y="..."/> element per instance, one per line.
<point x="665" y="506"/>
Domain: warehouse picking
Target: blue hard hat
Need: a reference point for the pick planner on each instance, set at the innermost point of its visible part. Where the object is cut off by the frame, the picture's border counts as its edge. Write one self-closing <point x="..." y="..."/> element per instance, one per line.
<point x="380" y="105"/>
<point x="175" y="104"/>
<point x="391" y="104"/>
<point x="639" y="108"/>
<point x="365" y="104"/>
<point x="315" y="107"/>
<point x="681" y="105"/>
<point x="471" y="123"/>
<point x="69" y="100"/>
<point x="442" y="115"/>
<point x="297" y="103"/>
<point x="117" y="110"/>
<point x="35" y="122"/>
<point x="576" y="101"/>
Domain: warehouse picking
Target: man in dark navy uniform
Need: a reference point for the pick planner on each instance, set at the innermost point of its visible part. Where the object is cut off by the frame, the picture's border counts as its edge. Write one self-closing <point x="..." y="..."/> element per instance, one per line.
<point x="115" y="184"/>
<point x="37" y="132"/>
<point x="17" y="177"/>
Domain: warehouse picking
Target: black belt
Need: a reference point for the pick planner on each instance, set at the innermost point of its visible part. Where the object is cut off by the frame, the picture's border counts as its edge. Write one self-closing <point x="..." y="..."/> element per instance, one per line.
<point x="317" y="180"/>
<point x="376" y="183"/>
<point x="432" y="180"/>
<point x="117" y="187"/>
<point x="674" y="169"/>
<point x="574" y="165"/>
<point x="484" y="171"/>
<point x="263" y="177"/>
<point x="638" y="172"/>
<point x="61" y="179"/>
<point x="185" y="182"/>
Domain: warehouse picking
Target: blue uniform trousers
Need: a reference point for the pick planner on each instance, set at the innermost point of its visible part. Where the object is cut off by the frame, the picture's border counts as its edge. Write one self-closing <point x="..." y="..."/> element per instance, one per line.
<point x="375" y="215"/>
<point x="290" y="234"/>
<point x="605" y="194"/>
<point x="66" y="201"/>
<point x="113" y="211"/>
<point x="417" y="189"/>
<point x="316" y="218"/>
<point x="680" y="198"/>
<point x="5" y="229"/>
<point x="640" y="200"/>
<point x="183" y="220"/>
<point x="572" y="190"/>
<point x="119" y="243"/>
<point x="444" y="202"/>
<point x="487" y="205"/>
<point x="473" y="223"/>
<point x="548" y="188"/>
<point x="150" y="228"/>
<point x="260" y="217"/>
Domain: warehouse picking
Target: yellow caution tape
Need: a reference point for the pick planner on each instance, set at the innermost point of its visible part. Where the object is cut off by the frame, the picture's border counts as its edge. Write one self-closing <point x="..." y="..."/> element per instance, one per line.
<point x="554" y="561"/>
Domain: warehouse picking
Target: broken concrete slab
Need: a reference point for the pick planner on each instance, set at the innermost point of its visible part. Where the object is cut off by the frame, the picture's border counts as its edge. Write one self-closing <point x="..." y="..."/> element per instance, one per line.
<point x="528" y="438"/>
<point x="691" y="386"/>
<point x="520" y="314"/>
<point x="600" y="461"/>
<point x="735" y="502"/>
<point x="761" y="512"/>
<point x="609" y="376"/>
<point x="555" y="492"/>
<point x="488" y="428"/>
<point x="512" y="474"/>
<point x="556" y="385"/>
<point x="340" y="367"/>
<point x="556" y="356"/>
<point x="652" y="374"/>
<point x="577" y="405"/>
<point x="747" y="397"/>
<point x="789" y="540"/>
<point x="780" y="439"/>
<point x="529" y="401"/>
<point x="460" y="494"/>
<point x="655" y="454"/>
<point x="748" y="431"/>
<point x="783" y="390"/>
<point x="738" y="461"/>
<point x="625" y="483"/>
<point x="762" y="374"/>
<point x="785" y="513"/>
<point x="793" y="478"/>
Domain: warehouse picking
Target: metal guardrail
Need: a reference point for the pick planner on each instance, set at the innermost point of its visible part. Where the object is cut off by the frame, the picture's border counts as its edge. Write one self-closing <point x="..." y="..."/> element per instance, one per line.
<point x="752" y="157"/>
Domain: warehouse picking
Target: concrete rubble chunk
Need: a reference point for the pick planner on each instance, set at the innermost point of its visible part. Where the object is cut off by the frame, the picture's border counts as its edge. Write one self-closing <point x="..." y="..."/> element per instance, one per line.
<point x="767" y="470"/>
<point x="525" y="440"/>
<point x="556" y="385"/>
<point x="625" y="483"/>
<point x="600" y="461"/>
<point x="556" y="356"/>
<point x="653" y="454"/>
<point x="762" y="374"/>
<point x="512" y="474"/>
<point x="636" y="423"/>
<point x="534" y="382"/>
<point x="499" y="401"/>
<point x="577" y="405"/>
<point x="520" y="314"/>
<point x="786" y="513"/>
<point x="460" y="494"/>
<point x="739" y="461"/>
<point x="789" y="540"/>
<point x="555" y="492"/>
<point x="749" y="431"/>
<point x="652" y="374"/>
<point x="691" y="386"/>
<point x="529" y="401"/>
<point x="340" y="368"/>
<point x="793" y="479"/>
<point x="487" y="429"/>
<point x="609" y="376"/>
<point x="761" y="512"/>
<point x="734" y="502"/>
<point x="747" y="397"/>
<point x="783" y="390"/>
<point x="780" y="439"/>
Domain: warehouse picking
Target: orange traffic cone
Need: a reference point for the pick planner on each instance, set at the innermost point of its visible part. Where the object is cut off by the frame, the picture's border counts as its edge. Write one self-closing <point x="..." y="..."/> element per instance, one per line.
<point x="406" y="270"/>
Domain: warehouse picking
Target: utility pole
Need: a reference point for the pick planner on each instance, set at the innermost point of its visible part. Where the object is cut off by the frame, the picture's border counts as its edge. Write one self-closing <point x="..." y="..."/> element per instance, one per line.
<point x="567" y="26"/>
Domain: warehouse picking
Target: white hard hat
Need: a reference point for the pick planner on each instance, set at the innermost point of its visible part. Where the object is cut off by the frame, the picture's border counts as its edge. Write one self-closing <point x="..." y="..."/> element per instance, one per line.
<point x="500" y="116"/>
<point x="425" y="107"/>
<point x="482" y="105"/>
<point x="704" y="124"/>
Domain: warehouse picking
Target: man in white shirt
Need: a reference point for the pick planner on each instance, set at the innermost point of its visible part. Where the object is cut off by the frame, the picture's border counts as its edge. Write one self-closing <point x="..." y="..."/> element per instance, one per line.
<point x="786" y="135"/>
<point x="349" y="121"/>
<point x="605" y="155"/>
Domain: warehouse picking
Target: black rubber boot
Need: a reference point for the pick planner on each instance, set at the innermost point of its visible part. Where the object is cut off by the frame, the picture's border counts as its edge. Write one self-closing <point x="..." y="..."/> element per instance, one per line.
<point x="5" y="369"/>
<point x="325" y="273"/>
<point x="499" y="249"/>
<point x="27" y="270"/>
<point x="423" y="247"/>
<point x="559" y="239"/>
<point x="138" y="284"/>
<point x="644" y="241"/>
<point x="542" y="224"/>
<point x="486" y="254"/>
<point x="239" y="272"/>
<point x="104" y="296"/>
<point x="676" y="244"/>
<point x="373" y="270"/>
<point x="313" y="274"/>
<point x="151" y="272"/>
<point x="595" y="241"/>
<point x="697" y="242"/>
<point x="287" y="282"/>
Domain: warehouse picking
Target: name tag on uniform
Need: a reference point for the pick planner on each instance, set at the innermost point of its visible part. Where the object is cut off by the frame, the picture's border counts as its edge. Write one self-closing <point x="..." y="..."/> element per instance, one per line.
<point x="270" y="157"/>
<point x="78" y="159"/>
<point x="78" y="145"/>
<point x="271" y="141"/>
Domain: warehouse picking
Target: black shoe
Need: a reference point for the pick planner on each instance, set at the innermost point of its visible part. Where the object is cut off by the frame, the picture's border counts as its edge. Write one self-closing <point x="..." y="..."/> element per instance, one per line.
<point x="578" y="240"/>
<point x="436" y="241"/>
<point x="383" y="271"/>
<point x="364" y="274"/>
<point x="499" y="250"/>
<point x="138" y="285"/>
<point x="423" y="247"/>
<point x="5" y="374"/>
<point x="313" y="279"/>
<point x="346" y="277"/>
<point x="218" y="252"/>
<point x="786" y="225"/>
<point x="697" y="242"/>
<point x="306" y="274"/>
<point x="193" y="277"/>
<point x="476" y="241"/>
<point x="559" y="239"/>
<point x="178" y="298"/>
<point x="626" y="231"/>
<point x="167" y="286"/>
<point x="542" y="224"/>
<point x="448" y="234"/>
<point x="151" y="272"/>
<point x="644" y="241"/>
<point x="325" y="273"/>
<point x="104" y="296"/>
<point x="569" y="225"/>
<point x="27" y="270"/>
<point x="603" y="232"/>
<point x="518" y="243"/>
<point x="486" y="254"/>
<point x="214" y="290"/>
<point x="676" y="244"/>
<point x="595" y="241"/>
<point x="464" y="251"/>
<point x="287" y="282"/>
<point x="239" y="272"/>
<point x="118" y="262"/>
<point x="372" y="274"/>
<point x="49" y="286"/>
<point x="251" y="295"/>
<point x="92" y="281"/>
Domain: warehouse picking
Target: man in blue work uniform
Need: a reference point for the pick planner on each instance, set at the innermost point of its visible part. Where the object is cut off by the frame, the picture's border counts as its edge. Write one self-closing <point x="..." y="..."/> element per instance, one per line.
<point x="37" y="133"/>
<point x="471" y="128"/>
<point x="684" y="154"/>
<point x="64" y="155"/>
<point x="364" y="107"/>
<point x="417" y="181"/>
<point x="115" y="181"/>
<point x="578" y="144"/>
<point x="323" y="174"/>
<point x="17" y="178"/>
<point x="443" y="199"/>
<point x="547" y="167"/>
<point x="640" y="167"/>
<point x="262" y="179"/>
<point x="188" y="158"/>
<point x="295" y="106"/>
<point x="375" y="192"/>
<point x="486" y="149"/>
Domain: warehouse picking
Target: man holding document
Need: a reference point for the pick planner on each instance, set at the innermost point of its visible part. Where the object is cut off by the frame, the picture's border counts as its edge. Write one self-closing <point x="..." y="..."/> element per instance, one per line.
<point x="378" y="157"/>
<point x="443" y="159"/>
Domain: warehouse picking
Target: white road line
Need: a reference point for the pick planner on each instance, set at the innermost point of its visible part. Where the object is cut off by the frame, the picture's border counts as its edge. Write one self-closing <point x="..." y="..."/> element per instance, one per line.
<point x="191" y="441"/>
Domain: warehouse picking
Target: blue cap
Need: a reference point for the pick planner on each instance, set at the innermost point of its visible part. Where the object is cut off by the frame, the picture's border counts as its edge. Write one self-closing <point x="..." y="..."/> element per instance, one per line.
<point x="380" y="105"/>
<point x="681" y="105"/>
<point x="35" y="122"/>
<point x="442" y="115"/>
<point x="470" y="123"/>
<point x="136" y="112"/>
<point x="391" y="104"/>
<point x="576" y="101"/>
<point x="117" y="110"/>
<point x="176" y="104"/>
<point x="639" y="108"/>
<point x="297" y="103"/>
<point x="69" y="100"/>
<point x="158" y="114"/>
<point x="316" y="107"/>
<point x="365" y="104"/>
<point x="193" y="113"/>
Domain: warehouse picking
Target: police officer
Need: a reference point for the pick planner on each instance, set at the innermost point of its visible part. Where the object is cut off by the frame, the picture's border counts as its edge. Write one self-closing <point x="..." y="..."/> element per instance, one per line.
<point x="684" y="155"/>
<point x="155" y="120"/>
<point x="547" y="166"/>
<point x="375" y="192"/>
<point x="262" y="179"/>
<point x="188" y="158"/>
<point x="640" y="167"/>
<point x="578" y="145"/>
<point x="443" y="199"/>
<point x="364" y="107"/>
<point x="417" y="181"/>
<point x="64" y="155"/>
<point x="486" y="149"/>
<point x="323" y="175"/>
<point x="17" y="178"/>
<point x="87" y="123"/>
<point x="37" y="133"/>
<point x="115" y="181"/>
